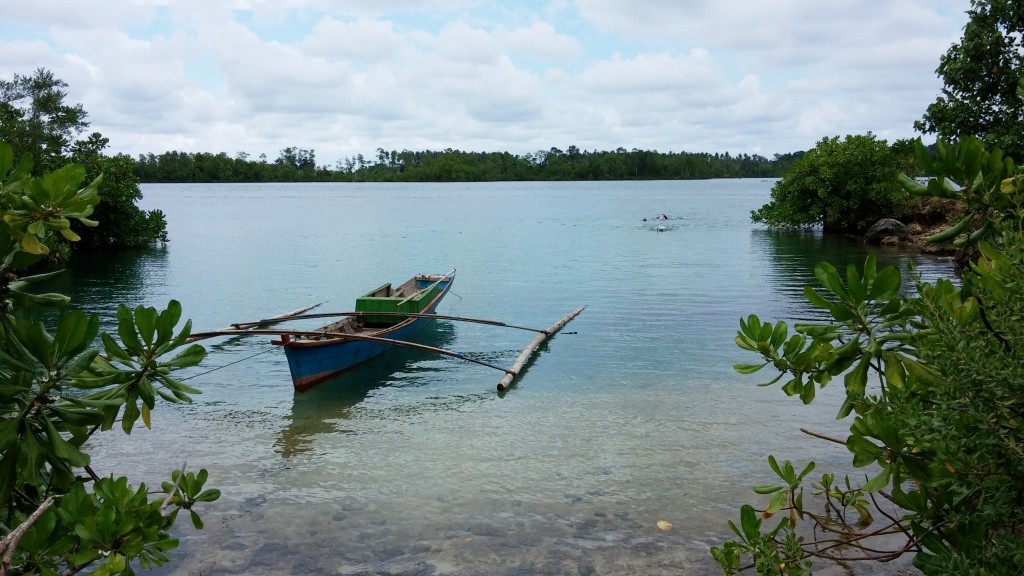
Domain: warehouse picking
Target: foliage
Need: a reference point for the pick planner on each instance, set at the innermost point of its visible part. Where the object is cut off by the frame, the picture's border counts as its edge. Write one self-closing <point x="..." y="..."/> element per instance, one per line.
<point x="457" y="166"/>
<point x="979" y="180"/>
<point x="56" y="391"/>
<point x="843" y="185"/>
<point x="35" y="120"/>
<point x="122" y="223"/>
<point x="935" y="386"/>
<point x="982" y="77"/>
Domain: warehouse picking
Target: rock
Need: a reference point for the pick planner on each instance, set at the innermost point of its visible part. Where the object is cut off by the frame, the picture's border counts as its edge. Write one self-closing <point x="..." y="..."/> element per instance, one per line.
<point x="885" y="228"/>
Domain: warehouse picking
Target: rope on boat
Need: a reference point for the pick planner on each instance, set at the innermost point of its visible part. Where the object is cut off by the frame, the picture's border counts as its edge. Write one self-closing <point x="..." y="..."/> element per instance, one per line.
<point x="226" y="365"/>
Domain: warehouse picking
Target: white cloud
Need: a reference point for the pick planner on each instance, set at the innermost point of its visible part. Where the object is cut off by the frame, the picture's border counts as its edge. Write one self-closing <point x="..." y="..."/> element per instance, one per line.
<point x="540" y="40"/>
<point x="364" y="40"/>
<point x="347" y="77"/>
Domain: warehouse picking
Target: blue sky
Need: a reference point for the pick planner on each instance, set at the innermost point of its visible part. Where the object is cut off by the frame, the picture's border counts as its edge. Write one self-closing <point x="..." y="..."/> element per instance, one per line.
<point x="347" y="77"/>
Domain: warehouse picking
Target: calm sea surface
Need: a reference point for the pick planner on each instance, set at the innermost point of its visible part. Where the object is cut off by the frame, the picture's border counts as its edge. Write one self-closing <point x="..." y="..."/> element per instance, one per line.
<point x="413" y="464"/>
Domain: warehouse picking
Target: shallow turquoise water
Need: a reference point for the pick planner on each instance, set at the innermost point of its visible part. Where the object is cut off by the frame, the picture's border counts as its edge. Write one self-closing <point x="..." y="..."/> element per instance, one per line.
<point x="413" y="464"/>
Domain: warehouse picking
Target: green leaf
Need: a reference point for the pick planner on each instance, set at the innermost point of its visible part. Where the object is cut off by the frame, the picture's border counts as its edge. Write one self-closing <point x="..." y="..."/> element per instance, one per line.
<point x="50" y="300"/>
<point x="829" y="278"/>
<point x="61" y="448"/>
<point x="808" y="392"/>
<point x="841" y="312"/>
<point x="745" y="343"/>
<point x="188" y="357"/>
<point x="856" y="380"/>
<point x="750" y="522"/>
<point x="858" y="292"/>
<point x="777" y="502"/>
<point x="38" y="537"/>
<point x="208" y="495"/>
<point x="126" y="330"/>
<point x="807" y="470"/>
<point x="748" y="368"/>
<point x="778" y="334"/>
<point x="145" y="321"/>
<point x="817" y="331"/>
<point x="168" y="320"/>
<point x="864" y="451"/>
<point x="114" y="350"/>
<point x="178" y="387"/>
<point x="845" y="409"/>
<point x="767" y="489"/>
<point x="948" y="234"/>
<point x="886" y="284"/>
<point x="895" y="375"/>
<point x="793" y="346"/>
<point x="31" y="244"/>
<point x="912" y="186"/>
<point x="818" y="300"/>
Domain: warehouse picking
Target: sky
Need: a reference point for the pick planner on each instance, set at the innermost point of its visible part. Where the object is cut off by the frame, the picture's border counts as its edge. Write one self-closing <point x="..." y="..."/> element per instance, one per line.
<point x="346" y="77"/>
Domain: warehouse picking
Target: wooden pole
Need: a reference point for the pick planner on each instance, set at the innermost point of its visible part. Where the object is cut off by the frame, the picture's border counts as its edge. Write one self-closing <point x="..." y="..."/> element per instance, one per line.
<point x="286" y="334"/>
<point x="230" y="330"/>
<point x="511" y="373"/>
<point x="395" y="314"/>
<point x="275" y="319"/>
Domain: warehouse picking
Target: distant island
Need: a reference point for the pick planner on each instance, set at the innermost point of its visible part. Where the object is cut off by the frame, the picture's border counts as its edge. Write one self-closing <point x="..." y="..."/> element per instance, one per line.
<point x="299" y="165"/>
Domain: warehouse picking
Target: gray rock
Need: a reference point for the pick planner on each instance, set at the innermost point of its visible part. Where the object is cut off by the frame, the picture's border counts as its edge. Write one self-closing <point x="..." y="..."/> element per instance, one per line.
<point x="885" y="228"/>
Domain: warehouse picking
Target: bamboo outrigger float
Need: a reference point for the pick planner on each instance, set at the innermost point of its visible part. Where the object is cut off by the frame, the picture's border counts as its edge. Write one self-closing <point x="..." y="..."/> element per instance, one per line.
<point x="524" y="356"/>
<point x="384" y="318"/>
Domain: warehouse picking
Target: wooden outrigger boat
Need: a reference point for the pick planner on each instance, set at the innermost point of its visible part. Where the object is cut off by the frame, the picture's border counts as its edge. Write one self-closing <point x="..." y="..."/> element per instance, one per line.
<point x="321" y="354"/>
<point x="384" y="317"/>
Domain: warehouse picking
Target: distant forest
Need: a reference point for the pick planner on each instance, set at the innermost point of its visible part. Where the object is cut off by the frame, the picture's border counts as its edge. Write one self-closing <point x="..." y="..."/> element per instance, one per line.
<point x="299" y="165"/>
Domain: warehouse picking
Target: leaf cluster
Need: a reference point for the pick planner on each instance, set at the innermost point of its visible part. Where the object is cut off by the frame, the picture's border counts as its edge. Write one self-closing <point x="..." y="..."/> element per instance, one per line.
<point x="986" y="183"/>
<point x="934" y="385"/>
<point x="36" y="120"/>
<point x="842" y="185"/>
<point x="981" y="74"/>
<point x="57" y="390"/>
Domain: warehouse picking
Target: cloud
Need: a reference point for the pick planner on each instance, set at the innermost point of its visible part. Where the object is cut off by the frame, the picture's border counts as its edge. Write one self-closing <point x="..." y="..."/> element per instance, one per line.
<point x="345" y="78"/>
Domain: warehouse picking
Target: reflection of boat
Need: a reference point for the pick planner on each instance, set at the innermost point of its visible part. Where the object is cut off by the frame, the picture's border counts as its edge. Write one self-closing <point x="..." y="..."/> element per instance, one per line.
<point x="327" y="409"/>
<point x="320" y="354"/>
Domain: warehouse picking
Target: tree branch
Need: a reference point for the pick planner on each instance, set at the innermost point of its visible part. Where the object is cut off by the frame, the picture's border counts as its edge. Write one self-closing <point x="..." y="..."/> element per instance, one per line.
<point x="10" y="542"/>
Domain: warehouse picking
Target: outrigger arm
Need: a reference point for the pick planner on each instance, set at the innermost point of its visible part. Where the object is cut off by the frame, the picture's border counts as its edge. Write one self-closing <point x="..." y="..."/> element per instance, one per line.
<point x="287" y="334"/>
<point x="256" y="328"/>
<point x="301" y="316"/>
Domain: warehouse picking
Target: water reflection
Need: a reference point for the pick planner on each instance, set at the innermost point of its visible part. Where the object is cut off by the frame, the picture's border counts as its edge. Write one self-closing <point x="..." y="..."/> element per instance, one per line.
<point x="325" y="409"/>
<point x="794" y="254"/>
<point x="99" y="282"/>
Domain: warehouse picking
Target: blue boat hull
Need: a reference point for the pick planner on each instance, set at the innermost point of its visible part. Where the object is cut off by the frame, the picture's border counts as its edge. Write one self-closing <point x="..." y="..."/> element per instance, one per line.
<point x="313" y="361"/>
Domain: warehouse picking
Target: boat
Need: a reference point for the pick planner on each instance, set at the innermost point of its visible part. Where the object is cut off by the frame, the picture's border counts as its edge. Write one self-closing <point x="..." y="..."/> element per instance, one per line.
<point x="385" y="313"/>
<point x="384" y="317"/>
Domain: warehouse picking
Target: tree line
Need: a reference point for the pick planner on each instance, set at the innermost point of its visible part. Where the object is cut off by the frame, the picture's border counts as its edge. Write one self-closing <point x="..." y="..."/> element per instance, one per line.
<point x="449" y="165"/>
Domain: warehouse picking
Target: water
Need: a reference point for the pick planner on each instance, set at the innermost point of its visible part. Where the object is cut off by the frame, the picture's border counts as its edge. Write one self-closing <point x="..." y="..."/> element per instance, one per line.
<point x="413" y="464"/>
